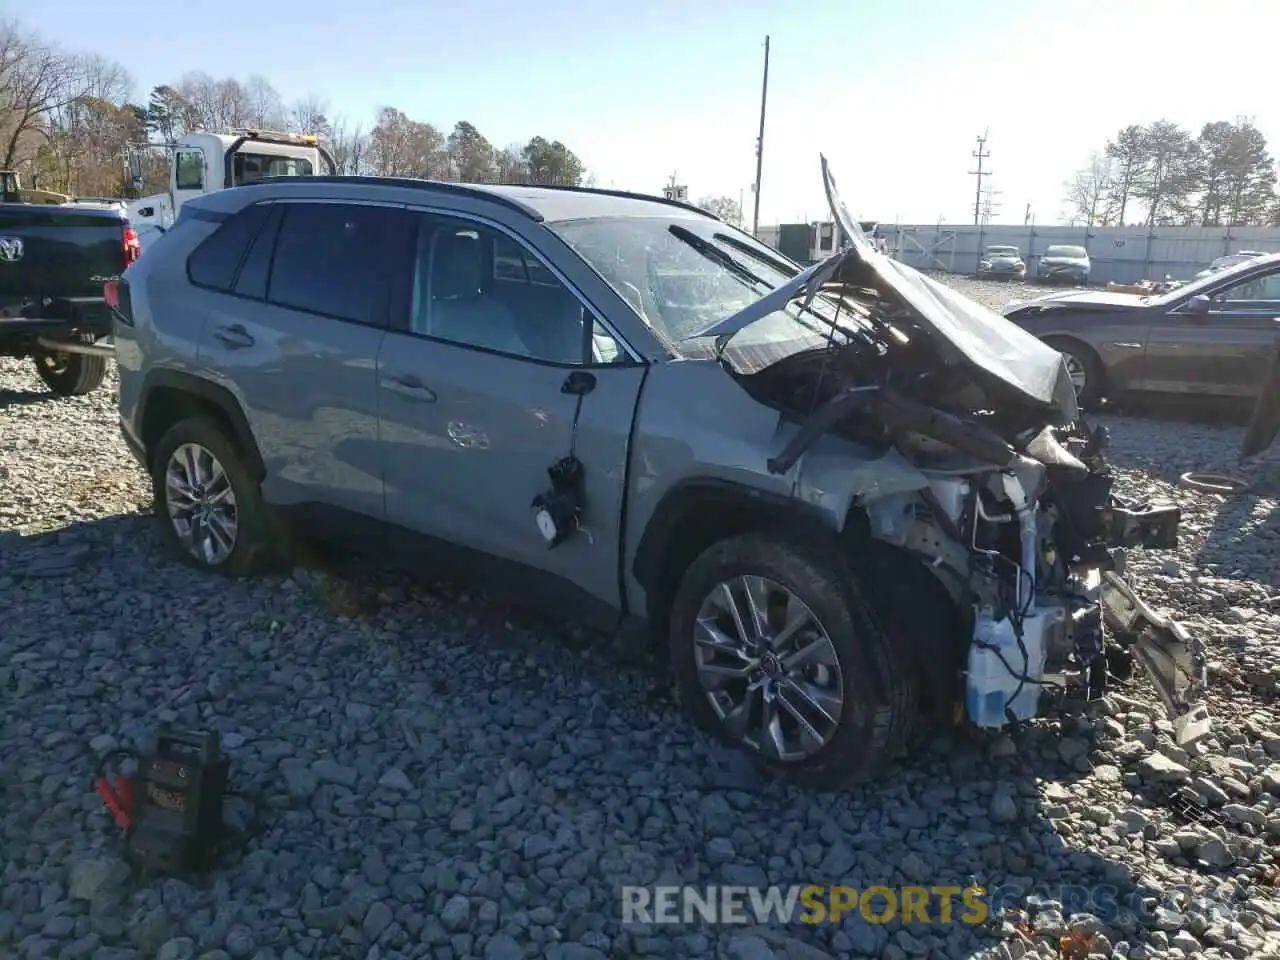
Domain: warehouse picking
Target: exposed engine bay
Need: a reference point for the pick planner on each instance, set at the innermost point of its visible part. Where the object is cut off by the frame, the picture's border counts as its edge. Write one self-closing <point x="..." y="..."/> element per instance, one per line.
<point x="1014" y="510"/>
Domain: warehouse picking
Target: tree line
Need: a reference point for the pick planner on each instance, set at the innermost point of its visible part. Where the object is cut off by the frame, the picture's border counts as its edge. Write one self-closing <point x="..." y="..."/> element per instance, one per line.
<point x="1161" y="174"/>
<point x="69" y="123"/>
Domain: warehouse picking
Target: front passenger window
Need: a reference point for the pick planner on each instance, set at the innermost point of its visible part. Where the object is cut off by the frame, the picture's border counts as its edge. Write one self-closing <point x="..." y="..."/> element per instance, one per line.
<point x="478" y="287"/>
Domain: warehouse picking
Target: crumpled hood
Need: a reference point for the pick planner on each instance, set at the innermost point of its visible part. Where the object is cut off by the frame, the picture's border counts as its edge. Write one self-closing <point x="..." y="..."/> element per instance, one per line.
<point x="967" y="330"/>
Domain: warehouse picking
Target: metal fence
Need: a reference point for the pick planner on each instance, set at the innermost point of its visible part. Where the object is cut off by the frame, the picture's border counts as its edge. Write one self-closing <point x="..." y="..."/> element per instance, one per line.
<point x="1120" y="254"/>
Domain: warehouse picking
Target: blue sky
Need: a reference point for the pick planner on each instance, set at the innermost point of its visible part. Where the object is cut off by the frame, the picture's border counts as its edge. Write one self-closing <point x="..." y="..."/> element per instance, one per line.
<point x="893" y="91"/>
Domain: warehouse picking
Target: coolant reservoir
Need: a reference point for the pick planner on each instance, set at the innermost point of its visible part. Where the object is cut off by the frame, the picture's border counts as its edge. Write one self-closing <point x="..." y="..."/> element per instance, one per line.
<point x="951" y="494"/>
<point x="997" y="665"/>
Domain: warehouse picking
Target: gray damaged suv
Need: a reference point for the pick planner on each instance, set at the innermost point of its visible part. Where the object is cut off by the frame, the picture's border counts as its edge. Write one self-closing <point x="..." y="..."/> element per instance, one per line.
<point x="840" y="500"/>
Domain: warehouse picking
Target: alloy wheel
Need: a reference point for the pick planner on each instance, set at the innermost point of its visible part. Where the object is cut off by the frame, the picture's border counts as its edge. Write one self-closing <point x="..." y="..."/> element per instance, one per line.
<point x="201" y="503"/>
<point x="768" y="669"/>
<point x="1077" y="372"/>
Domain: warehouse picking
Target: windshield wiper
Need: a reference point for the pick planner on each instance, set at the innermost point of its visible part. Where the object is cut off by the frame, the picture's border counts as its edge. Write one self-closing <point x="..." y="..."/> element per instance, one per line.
<point x="716" y="255"/>
<point x="780" y="265"/>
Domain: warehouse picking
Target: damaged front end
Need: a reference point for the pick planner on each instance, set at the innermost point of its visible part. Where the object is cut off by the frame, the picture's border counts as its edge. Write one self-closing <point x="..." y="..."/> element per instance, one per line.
<point x="957" y="435"/>
<point x="1029" y="538"/>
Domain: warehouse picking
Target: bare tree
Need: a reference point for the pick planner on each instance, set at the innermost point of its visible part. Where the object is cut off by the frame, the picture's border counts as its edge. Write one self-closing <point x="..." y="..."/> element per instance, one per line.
<point x="400" y="147"/>
<point x="103" y="78"/>
<point x="36" y="79"/>
<point x="212" y="104"/>
<point x="1088" y="192"/>
<point x="726" y="208"/>
<point x="349" y="146"/>
<point x="310" y="115"/>
<point x="226" y="104"/>
<point x="509" y="163"/>
<point x="265" y="107"/>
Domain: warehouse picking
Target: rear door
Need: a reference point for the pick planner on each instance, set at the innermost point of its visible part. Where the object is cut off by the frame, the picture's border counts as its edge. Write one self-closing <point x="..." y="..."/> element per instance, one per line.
<point x="296" y="336"/>
<point x="474" y="411"/>
<point x="1224" y="351"/>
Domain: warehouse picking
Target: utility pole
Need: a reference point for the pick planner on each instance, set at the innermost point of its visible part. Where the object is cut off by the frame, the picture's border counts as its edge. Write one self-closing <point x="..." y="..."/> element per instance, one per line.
<point x="990" y="204"/>
<point x="764" y="99"/>
<point x="1026" y="217"/>
<point x="980" y="154"/>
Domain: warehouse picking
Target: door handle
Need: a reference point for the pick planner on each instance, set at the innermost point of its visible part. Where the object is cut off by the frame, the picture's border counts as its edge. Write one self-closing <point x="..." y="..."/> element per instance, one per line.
<point x="235" y="336"/>
<point x="407" y="385"/>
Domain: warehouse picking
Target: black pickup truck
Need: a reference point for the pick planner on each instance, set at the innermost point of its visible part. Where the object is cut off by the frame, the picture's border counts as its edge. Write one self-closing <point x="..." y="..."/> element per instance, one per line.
<point x="55" y="262"/>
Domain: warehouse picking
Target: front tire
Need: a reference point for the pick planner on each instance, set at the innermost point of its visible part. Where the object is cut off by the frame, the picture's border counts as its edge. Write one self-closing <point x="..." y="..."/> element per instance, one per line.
<point x="1085" y="368"/>
<point x="209" y="510"/>
<point x="70" y="374"/>
<point x="774" y="650"/>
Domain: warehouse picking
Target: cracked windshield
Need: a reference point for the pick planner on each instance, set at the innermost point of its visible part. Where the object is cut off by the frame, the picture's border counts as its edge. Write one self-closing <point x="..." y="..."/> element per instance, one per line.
<point x="681" y="276"/>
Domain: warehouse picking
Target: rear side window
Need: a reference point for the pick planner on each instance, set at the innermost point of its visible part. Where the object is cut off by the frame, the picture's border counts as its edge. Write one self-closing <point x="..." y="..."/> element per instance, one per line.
<point x="213" y="264"/>
<point x="256" y="269"/>
<point x="329" y="260"/>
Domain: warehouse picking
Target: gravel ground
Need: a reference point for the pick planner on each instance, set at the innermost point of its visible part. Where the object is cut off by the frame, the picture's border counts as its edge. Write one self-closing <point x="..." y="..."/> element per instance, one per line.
<point x="446" y="778"/>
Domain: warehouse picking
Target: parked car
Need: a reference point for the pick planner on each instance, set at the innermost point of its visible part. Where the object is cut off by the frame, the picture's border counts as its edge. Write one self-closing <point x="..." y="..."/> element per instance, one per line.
<point x="1230" y="260"/>
<point x="1004" y="263"/>
<point x="1213" y="336"/>
<point x="1064" y="263"/>
<point x="622" y="409"/>
<point x="54" y="260"/>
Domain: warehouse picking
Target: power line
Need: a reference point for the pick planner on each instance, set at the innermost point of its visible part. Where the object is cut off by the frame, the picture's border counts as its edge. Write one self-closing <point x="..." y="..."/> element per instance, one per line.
<point x="980" y="155"/>
<point x="990" y="204"/>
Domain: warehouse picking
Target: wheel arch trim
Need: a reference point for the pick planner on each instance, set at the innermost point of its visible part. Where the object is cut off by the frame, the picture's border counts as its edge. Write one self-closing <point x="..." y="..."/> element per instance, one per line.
<point x="211" y="393"/>
<point x="683" y="499"/>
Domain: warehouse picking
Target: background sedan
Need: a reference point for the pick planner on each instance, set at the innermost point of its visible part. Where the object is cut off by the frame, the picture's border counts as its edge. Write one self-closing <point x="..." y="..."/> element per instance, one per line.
<point x="1062" y="263"/>
<point x="1214" y="336"/>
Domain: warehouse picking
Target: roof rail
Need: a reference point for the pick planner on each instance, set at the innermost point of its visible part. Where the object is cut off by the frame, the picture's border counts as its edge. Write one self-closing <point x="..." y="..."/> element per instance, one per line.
<point x="413" y="183"/>
<point x="478" y="189"/>
<point x="625" y="194"/>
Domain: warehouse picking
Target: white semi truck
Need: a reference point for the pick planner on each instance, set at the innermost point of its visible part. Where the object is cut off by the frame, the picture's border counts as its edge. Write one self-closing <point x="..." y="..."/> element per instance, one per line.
<point x="204" y="162"/>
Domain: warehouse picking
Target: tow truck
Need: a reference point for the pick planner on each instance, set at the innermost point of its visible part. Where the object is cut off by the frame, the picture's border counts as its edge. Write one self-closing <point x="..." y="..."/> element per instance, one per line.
<point x="204" y="162"/>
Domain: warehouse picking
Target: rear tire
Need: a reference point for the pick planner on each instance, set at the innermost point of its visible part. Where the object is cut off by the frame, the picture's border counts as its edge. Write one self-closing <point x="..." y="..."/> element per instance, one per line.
<point x="198" y="445"/>
<point x="878" y="687"/>
<point x="70" y="374"/>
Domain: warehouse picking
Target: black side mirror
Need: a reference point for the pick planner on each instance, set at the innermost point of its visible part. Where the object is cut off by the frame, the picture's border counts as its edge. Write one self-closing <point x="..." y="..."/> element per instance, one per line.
<point x="1199" y="305"/>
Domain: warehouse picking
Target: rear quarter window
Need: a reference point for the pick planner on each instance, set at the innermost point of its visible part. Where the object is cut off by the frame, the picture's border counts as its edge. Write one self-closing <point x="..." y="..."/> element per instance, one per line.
<point x="213" y="264"/>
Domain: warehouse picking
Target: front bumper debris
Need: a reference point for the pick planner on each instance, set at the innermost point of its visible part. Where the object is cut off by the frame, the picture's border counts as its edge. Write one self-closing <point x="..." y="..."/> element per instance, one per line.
<point x="1123" y="523"/>
<point x="1173" y="658"/>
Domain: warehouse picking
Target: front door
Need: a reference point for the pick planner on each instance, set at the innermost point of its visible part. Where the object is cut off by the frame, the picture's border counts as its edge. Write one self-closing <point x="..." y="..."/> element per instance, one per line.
<point x="1224" y="350"/>
<point x="190" y="176"/>
<point x="474" y="412"/>
<point x="297" y="336"/>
